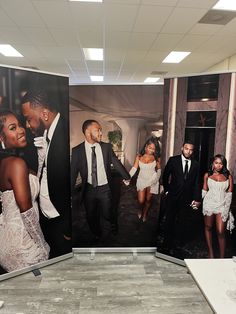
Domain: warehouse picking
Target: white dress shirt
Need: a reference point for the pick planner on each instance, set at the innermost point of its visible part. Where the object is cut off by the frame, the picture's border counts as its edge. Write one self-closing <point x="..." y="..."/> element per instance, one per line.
<point x="101" y="173"/>
<point x="46" y="205"/>
<point x="184" y="162"/>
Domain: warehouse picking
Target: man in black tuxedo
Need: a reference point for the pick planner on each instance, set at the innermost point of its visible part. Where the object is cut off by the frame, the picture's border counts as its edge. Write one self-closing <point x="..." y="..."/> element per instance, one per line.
<point x="93" y="159"/>
<point x="52" y="142"/>
<point x="180" y="182"/>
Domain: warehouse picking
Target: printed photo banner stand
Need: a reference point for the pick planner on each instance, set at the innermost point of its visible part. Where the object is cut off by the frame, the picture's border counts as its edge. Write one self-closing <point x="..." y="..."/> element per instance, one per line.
<point x="35" y="268"/>
<point x="133" y="250"/>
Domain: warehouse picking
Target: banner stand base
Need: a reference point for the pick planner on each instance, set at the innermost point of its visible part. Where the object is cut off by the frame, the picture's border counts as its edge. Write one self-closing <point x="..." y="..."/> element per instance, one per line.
<point x="36" y="272"/>
<point x="170" y="259"/>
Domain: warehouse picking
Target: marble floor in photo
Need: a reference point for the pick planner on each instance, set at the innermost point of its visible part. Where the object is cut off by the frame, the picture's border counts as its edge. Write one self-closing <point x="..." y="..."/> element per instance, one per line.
<point x="108" y="283"/>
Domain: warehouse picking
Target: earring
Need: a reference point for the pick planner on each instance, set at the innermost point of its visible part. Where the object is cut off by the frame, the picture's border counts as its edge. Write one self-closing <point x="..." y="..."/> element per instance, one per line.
<point x="3" y="145"/>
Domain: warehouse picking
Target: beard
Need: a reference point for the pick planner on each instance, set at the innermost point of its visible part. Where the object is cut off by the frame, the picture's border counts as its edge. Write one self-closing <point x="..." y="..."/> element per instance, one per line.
<point x="41" y="128"/>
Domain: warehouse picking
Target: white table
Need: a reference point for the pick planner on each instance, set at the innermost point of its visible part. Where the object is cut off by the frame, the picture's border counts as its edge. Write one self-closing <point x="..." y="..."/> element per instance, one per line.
<point x="217" y="280"/>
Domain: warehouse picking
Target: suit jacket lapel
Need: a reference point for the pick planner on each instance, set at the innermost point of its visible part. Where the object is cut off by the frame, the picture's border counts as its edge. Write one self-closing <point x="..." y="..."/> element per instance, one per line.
<point x="104" y="155"/>
<point x="84" y="159"/>
<point x="180" y="165"/>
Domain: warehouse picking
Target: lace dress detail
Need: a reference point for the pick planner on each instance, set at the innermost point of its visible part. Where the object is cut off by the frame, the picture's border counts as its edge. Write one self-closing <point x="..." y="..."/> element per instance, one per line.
<point x="215" y="200"/>
<point x="17" y="248"/>
<point x="148" y="177"/>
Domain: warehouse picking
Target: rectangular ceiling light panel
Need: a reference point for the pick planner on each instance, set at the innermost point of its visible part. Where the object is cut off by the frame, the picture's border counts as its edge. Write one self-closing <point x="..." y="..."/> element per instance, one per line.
<point x="95" y="54"/>
<point x="228" y="5"/>
<point x="151" y="79"/>
<point x="9" y="51"/>
<point x="176" y="56"/>
<point x="96" y="78"/>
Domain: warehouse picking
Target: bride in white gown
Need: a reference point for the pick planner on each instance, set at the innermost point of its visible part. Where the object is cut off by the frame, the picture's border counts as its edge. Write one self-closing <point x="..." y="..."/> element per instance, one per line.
<point x="22" y="242"/>
<point x="217" y="197"/>
<point x="148" y="163"/>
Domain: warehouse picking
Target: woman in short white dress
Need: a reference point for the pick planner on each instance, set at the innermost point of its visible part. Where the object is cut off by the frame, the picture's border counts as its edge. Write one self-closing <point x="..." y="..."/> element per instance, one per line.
<point x="148" y="162"/>
<point x="217" y="197"/>
<point x="22" y="243"/>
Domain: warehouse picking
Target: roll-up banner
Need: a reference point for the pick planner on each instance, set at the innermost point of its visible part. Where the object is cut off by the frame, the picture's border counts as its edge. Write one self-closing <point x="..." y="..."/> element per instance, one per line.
<point x="115" y="165"/>
<point x="198" y="164"/>
<point x="35" y="211"/>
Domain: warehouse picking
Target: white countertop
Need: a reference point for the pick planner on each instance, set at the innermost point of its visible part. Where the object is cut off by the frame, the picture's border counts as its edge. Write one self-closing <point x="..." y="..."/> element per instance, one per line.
<point x="217" y="280"/>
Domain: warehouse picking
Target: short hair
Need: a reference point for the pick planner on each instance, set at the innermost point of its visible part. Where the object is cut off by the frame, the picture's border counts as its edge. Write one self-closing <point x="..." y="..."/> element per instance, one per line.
<point x="187" y="141"/>
<point x="87" y="123"/>
<point x="38" y="98"/>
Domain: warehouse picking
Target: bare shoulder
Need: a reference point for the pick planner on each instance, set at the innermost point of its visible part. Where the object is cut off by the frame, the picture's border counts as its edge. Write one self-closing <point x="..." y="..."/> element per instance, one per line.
<point x="206" y="175"/>
<point x="16" y="164"/>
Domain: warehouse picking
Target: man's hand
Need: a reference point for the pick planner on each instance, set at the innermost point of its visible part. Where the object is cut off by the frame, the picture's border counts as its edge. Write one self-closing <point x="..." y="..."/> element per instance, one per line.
<point x="126" y="182"/>
<point x="195" y="205"/>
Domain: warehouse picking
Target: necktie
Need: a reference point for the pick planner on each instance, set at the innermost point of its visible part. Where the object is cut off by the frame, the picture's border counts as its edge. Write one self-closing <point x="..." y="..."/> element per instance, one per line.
<point x="186" y="170"/>
<point x="94" y="168"/>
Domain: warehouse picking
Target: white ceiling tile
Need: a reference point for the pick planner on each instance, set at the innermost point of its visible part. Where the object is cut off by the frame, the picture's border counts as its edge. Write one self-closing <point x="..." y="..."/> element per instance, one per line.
<point x="54" y="14"/>
<point x="116" y="40"/>
<point x="64" y="36"/>
<point x="61" y="53"/>
<point x="203" y="4"/>
<point x="87" y="16"/>
<point x="121" y="1"/>
<point x="94" y="67"/>
<point x="112" y="66"/>
<point x="114" y="54"/>
<point x="5" y="20"/>
<point x="151" y="18"/>
<point x="39" y="36"/>
<point x="13" y="35"/>
<point x="30" y="52"/>
<point x="90" y="39"/>
<point x="141" y="41"/>
<point x="205" y="29"/>
<point x="191" y="42"/>
<point x="166" y="42"/>
<point x="228" y="29"/>
<point x="120" y="17"/>
<point x="22" y="12"/>
<point x="155" y="56"/>
<point x="182" y="20"/>
<point x="168" y="3"/>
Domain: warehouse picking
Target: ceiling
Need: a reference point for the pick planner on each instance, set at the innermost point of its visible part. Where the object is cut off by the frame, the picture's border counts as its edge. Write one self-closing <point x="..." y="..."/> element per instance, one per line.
<point x="136" y="36"/>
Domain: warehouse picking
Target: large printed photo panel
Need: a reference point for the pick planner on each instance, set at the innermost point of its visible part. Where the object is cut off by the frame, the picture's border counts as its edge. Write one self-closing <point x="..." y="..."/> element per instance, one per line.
<point x="35" y="211"/>
<point x="198" y="202"/>
<point x="124" y="124"/>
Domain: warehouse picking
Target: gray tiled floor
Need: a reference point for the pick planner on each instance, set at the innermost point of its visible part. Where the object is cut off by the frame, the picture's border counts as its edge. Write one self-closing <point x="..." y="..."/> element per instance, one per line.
<point x="110" y="283"/>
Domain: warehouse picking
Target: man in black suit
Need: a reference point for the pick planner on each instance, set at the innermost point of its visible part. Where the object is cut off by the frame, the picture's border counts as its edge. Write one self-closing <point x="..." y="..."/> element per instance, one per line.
<point x="93" y="159"/>
<point x="52" y="141"/>
<point x="180" y="182"/>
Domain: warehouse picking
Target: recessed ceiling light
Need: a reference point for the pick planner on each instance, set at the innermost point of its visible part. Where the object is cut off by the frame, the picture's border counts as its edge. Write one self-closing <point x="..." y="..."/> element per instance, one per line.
<point x="176" y="56"/>
<point x="93" y="54"/>
<point x="86" y="0"/>
<point x="151" y="79"/>
<point x="229" y="5"/>
<point x="9" y="51"/>
<point x="96" y="78"/>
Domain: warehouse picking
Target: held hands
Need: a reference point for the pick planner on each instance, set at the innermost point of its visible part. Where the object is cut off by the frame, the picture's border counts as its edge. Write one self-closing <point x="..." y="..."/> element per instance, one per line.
<point x="195" y="205"/>
<point x="126" y="182"/>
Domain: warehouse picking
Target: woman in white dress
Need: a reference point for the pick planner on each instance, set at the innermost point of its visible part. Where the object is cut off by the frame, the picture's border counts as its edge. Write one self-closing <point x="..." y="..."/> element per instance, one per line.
<point x="217" y="197"/>
<point x="148" y="162"/>
<point x="22" y="242"/>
